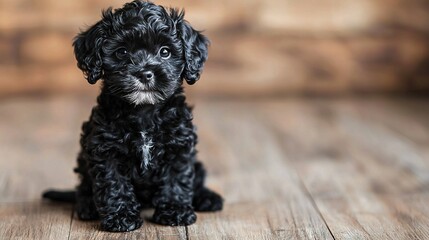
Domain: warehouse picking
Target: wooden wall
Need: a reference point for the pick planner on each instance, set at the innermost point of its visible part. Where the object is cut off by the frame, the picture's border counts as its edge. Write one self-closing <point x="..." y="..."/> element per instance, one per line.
<point x="259" y="48"/>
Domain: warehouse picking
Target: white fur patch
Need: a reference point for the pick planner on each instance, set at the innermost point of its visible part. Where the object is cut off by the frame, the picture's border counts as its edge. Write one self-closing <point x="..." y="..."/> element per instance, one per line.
<point x="146" y="149"/>
<point x="142" y="95"/>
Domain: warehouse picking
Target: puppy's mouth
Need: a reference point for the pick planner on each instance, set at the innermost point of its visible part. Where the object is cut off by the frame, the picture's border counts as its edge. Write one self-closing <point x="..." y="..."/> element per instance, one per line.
<point x="146" y="91"/>
<point x="143" y="97"/>
<point x="142" y="94"/>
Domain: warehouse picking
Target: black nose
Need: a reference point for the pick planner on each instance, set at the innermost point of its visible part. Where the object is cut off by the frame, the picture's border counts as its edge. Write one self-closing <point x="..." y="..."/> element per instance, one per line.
<point x="146" y="76"/>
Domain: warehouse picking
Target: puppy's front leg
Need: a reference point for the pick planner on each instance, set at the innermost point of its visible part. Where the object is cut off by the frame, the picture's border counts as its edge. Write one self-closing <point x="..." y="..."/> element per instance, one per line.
<point x="173" y="201"/>
<point x="114" y="198"/>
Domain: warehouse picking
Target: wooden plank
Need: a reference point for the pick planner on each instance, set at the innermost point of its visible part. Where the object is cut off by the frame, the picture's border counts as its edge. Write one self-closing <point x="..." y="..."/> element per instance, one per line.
<point x="264" y="197"/>
<point x="335" y="16"/>
<point x="86" y="230"/>
<point x="35" y="221"/>
<point x="259" y="220"/>
<point x="367" y="181"/>
<point x="293" y="64"/>
<point x="39" y="150"/>
<point x="410" y="117"/>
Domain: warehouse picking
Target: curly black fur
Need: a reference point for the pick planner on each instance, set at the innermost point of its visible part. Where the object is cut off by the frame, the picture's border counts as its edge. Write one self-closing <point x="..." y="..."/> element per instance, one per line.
<point x="138" y="147"/>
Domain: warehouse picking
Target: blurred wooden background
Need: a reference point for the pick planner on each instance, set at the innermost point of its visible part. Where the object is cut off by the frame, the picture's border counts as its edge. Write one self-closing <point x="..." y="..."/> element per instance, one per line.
<point x="259" y="48"/>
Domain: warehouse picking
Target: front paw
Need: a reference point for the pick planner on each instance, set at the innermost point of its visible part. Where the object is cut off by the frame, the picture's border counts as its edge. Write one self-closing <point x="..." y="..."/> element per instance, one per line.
<point x="121" y="223"/>
<point x="175" y="216"/>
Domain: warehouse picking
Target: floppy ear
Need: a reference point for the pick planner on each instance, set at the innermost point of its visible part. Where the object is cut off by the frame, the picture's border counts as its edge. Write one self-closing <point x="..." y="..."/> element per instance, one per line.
<point x="195" y="46"/>
<point x="87" y="49"/>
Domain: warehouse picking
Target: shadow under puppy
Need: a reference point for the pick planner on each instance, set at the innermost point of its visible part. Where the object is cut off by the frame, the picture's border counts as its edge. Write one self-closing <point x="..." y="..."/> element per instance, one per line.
<point x="138" y="147"/>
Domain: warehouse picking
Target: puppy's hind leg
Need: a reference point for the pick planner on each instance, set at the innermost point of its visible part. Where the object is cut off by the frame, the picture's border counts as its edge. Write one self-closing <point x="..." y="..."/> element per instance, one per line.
<point x="85" y="206"/>
<point x="205" y="200"/>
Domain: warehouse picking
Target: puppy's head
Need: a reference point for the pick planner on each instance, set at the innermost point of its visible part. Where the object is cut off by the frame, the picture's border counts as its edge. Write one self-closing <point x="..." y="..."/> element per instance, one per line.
<point x="142" y="52"/>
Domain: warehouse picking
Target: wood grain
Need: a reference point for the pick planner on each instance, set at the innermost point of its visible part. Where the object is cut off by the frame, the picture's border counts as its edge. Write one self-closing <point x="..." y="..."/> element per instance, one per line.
<point x="39" y="142"/>
<point x="368" y="181"/>
<point x="264" y="195"/>
<point x="90" y="230"/>
<point x="35" y="220"/>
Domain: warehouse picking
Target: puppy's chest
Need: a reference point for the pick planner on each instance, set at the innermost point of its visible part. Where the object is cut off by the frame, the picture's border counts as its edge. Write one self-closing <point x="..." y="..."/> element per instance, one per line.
<point x="145" y="144"/>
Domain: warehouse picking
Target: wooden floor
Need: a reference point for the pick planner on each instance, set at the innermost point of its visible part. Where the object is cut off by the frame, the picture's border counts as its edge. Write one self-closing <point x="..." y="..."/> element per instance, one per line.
<point x="288" y="169"/>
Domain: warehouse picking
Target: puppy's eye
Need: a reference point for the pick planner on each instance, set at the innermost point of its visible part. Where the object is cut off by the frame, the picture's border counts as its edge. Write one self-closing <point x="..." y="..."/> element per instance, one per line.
<point x="121" y="53"/>
<point x="164" y="52"/>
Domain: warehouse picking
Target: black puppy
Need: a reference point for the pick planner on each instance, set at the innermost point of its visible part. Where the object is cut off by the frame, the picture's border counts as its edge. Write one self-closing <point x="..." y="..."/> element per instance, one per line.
<point x="138" y="147"/>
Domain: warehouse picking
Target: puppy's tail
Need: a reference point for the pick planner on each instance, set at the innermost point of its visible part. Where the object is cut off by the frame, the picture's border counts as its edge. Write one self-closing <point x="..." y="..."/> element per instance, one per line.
<point x="60" y="196"/>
